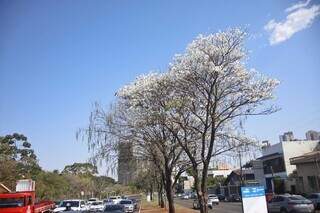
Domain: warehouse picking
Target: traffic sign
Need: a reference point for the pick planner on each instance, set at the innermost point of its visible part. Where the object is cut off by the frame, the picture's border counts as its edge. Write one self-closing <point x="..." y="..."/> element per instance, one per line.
<point x="254" y="200"/>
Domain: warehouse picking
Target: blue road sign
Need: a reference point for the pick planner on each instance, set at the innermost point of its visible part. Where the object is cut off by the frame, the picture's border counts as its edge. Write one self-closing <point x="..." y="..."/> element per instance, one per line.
<point x="252" y="191"/>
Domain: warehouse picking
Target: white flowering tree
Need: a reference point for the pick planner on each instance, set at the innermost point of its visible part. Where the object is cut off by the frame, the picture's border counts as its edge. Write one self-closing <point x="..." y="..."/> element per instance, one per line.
<point x="213" y="93"/>
<point x="146" y="103"/>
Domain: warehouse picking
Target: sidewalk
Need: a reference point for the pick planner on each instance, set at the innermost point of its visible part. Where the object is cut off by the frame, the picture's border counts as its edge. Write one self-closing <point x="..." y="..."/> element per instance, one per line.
<point x="152" y="207"/>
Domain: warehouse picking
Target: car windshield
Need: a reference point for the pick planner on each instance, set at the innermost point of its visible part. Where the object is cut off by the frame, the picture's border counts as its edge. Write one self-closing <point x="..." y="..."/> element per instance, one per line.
<point x="72" y="203"/>
<point x="11" y="202"/>
<point x="296" y="197"/>
<point x="112" y="208"/>
<point x="97" y="203"/>
<point x="125" y="202"/>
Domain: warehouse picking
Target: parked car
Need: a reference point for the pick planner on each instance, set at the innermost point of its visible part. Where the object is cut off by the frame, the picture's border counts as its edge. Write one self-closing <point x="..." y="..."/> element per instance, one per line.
<point x="315" y="198"/>
<point x="234" y="198"/>
<point x="57" y="203"/>
<point x="96" y="206"/>
<point x="186" y="196"/>
<point x="290" y="203"/>
<point x="107" y="201"/>
<point x="193" y="195"/>
<point x="212" y="200"/>
<point x="221" y="197"/>
<point x="114" y="208"/>
<point x="128" y="205"/>
<point x="135" y="203"/>
<point x="179" y="195"/>
<point x="91" y="200"/>
<point x="196" y="204"/>
<point x="115" y="199"/>
<point x="76" y="205"/>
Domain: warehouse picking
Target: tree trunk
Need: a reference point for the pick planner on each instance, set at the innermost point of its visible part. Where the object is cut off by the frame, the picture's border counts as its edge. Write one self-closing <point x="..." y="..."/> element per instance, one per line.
<point x="151" y="193"/>
<point x="170" y="199"/>
<point x="169" y="192"/>
<point x="160" y="195"/>
<point x="201" y="188"/>
<point x="204" y="190"/>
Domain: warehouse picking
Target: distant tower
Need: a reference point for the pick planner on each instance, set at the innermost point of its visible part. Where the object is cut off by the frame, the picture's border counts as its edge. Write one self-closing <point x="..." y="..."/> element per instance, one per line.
<point x="287" y="136"/>
<point x="312" y="135"/>
<point x="126" y="163"/>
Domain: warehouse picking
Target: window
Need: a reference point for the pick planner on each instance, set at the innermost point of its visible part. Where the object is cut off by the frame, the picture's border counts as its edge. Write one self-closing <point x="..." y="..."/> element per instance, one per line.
<point x="11" y="202"/>
<point x="274" y="165"/>
<point x="29" y="201"/>
<point x="312" y="183"/>
<point x="300" y="185"/>
<point x="71" y="203"/>
<point x="274" y="199"/>
<point x="277" y="199"/>
<point x="125" y="202"/>
<point x="313" y="196"/>
<point x="296" y="197"/>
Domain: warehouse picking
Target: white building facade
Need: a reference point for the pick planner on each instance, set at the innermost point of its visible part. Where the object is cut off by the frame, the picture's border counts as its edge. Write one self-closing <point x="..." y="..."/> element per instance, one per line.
<point x="275" y="163"/>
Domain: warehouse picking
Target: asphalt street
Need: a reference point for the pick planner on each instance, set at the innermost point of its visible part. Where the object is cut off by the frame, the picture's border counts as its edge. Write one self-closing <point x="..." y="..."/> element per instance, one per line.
<point x="223" y="207"/>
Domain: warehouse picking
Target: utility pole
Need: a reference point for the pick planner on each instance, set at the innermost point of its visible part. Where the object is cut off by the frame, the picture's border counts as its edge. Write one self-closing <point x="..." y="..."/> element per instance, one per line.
<point x="241" y="183"/>
<point x="272" y="179"/>
<point x="240" y="178"/>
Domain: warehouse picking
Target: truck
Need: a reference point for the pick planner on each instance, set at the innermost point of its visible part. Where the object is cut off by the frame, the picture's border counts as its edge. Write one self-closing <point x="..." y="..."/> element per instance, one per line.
<point x="23" y="200"/>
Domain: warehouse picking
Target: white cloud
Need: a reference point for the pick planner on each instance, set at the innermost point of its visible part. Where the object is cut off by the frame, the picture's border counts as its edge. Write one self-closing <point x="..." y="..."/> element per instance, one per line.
<point x="299" y="5"/>
<point x="299" y="18"/>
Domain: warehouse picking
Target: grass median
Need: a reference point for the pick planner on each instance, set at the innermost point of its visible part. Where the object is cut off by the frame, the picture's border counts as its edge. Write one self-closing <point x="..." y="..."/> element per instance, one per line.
<point x="153" y="207"/>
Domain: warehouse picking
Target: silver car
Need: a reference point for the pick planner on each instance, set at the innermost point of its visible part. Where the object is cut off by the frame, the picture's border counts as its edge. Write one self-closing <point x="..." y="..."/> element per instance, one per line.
<point x="128" y="205"/>
<point x="212" y="200"/>
<point x="315" y="198"/>
<point x="290" y="203"/>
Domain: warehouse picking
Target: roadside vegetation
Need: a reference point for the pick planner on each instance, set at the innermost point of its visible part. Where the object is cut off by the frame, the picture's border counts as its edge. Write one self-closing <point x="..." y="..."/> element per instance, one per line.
<point x="19" y="161"/>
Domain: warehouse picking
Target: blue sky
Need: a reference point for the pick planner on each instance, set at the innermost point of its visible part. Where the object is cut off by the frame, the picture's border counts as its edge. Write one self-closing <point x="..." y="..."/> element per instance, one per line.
<point x="58" y="57"/>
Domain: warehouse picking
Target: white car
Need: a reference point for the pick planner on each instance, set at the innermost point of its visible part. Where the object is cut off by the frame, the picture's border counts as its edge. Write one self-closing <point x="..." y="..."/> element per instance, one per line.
<point x="128" y="205"/>
<point x="75" y="205"/>
<point x="96" y="206"/>
<point x="115" y="199"/>
<point x="91" y="200"/>
<point x="186" y="196"/>
<point x="212" y="200"/>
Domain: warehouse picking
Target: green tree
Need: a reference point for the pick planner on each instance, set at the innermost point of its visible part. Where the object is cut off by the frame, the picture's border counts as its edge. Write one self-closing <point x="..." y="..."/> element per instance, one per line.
<point x="17" y="159"/>
<point x="213" y="181"/>
<point x="80" y="169"/>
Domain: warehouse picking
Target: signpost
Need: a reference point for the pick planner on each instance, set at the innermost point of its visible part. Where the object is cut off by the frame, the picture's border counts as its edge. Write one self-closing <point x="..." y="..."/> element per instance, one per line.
<point x="253" y="199"/>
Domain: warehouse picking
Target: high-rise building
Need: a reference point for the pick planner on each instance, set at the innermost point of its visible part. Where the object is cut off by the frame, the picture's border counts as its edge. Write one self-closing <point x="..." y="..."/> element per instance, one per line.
<point x="126" y="164"/>
<point x="313" y="135"/>
<point x="287" y="136"/>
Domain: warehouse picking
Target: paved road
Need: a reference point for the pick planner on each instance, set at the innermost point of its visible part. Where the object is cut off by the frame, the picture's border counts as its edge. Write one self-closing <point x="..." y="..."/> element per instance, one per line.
<point x="223" y="207"/>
